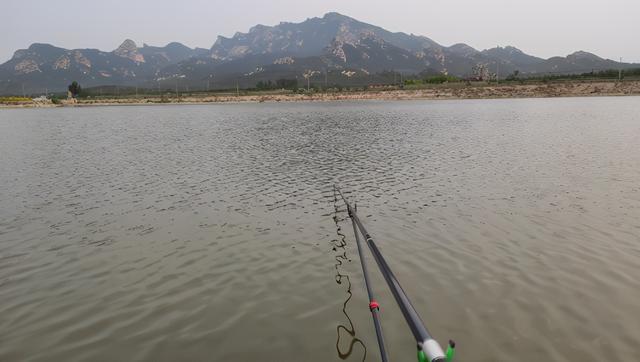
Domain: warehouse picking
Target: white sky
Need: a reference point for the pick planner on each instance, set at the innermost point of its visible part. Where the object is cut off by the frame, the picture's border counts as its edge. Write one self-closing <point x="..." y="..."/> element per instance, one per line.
<point x="543" y="27"/>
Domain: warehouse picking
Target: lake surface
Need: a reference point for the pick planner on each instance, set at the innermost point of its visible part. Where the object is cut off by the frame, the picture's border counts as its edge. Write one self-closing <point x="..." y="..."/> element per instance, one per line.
<point x="211" y="233"/>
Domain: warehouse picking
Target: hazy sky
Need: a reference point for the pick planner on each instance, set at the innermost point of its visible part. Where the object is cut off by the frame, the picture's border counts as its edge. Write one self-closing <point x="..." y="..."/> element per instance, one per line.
<point x="539" y="27"/>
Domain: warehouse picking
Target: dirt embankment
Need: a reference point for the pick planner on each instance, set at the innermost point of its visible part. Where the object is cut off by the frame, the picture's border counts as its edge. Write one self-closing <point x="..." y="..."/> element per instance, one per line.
<point x="454" y="91"/>
<point x="569" y="89"/>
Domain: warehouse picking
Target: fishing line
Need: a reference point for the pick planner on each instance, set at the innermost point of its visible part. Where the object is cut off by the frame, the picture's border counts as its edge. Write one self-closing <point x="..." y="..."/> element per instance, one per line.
<point x="341" y="243"/>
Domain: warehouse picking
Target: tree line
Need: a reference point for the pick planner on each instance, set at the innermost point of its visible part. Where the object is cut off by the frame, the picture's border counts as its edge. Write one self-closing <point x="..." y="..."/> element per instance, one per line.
<point x="291" y="84"/>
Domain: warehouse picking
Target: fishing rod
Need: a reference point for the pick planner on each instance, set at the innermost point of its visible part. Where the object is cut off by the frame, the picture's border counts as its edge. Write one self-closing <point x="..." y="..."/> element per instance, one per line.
<point x="374" y="307"/>
<point x="429" y="349"/>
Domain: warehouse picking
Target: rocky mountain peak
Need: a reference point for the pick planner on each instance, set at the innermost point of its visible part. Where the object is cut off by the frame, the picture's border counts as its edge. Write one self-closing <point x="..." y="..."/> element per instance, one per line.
<point x="258" y="28"/>
<point x="127" y="46"/>
<point x="37" y="51"/>
<point x="128" y="49"/>
<point x="508" y="50"/>
<point x="335" y="16"/>
<point x="582" y="55"/>
<point x="20" y="53"/>
<point x="462" y="49"/>
<point x="512" y="49"/>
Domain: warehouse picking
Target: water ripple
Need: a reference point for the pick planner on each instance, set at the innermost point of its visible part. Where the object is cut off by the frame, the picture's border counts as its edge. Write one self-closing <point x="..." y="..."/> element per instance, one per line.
<point x="207" y="232"/>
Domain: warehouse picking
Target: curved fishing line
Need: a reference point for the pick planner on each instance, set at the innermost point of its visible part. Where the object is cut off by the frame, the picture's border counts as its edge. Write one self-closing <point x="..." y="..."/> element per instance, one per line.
<point x="340" y="243"/>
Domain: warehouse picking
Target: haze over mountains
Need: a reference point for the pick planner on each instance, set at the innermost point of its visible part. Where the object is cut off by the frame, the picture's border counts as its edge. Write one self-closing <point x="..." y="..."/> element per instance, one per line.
<point x="333" y="49"/>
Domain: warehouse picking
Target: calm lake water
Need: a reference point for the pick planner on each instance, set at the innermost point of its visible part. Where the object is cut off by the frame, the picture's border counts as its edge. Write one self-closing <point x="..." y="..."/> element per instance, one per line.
<point x="211" y="233"/>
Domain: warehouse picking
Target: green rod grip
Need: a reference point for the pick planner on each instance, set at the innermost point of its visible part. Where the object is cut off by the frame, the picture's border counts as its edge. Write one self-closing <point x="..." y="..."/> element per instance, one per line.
<point x="421" y="356"/>
<point x="451" y="351"/>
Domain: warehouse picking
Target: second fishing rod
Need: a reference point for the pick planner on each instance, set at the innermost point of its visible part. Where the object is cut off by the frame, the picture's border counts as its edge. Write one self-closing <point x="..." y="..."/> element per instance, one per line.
<point x="429" y="349"/>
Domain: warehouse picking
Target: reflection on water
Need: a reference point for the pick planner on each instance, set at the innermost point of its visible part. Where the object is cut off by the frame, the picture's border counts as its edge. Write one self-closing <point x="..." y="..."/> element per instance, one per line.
<point x="206" y="233"/>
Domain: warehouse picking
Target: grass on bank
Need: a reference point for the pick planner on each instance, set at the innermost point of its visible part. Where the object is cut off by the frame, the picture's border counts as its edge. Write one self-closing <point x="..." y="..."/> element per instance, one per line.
<point x="14" y="100"/>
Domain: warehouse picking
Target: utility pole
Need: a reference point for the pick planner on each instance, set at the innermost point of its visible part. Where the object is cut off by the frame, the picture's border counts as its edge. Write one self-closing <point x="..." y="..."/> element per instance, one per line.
<point x="177" y="87"/>
<point x="620" y="71"/>
<point x="497" y="72"/>
<point x="308" y="83"/>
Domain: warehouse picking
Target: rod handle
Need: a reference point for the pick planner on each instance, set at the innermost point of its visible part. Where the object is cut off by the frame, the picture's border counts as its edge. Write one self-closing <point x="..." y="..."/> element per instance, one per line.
<point x="451" y="351"/>
<point x="449" y="355"/>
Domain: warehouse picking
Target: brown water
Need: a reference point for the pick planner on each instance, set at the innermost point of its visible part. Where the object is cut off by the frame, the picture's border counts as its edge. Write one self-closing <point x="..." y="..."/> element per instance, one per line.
<point x="207" y="233"/>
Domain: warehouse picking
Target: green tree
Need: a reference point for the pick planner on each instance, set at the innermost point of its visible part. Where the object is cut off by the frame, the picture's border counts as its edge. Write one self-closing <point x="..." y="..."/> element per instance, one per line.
<point x="514" y="75"/>
<point x="75" y="89"/>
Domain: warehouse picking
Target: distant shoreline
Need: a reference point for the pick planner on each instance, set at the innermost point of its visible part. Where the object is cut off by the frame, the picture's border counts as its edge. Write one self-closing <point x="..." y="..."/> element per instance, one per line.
<point x="446" y="92"/>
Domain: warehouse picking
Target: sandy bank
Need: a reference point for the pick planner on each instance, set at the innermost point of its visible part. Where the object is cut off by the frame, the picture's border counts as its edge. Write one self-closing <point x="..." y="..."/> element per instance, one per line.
<point x="454" y="91"/>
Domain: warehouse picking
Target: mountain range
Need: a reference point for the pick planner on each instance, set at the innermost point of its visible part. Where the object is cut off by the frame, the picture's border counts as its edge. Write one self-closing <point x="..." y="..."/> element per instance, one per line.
<point x="334" y="49"/>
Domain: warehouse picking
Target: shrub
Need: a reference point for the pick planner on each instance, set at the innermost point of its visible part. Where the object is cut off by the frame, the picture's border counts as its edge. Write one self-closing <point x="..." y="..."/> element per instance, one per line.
<point x="439" y="79"/>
